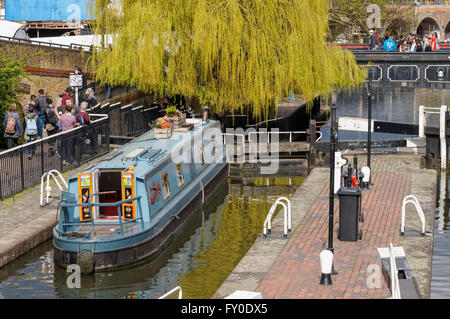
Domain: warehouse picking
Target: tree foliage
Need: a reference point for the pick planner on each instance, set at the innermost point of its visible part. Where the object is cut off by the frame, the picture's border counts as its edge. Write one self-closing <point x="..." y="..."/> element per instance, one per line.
<point x="228" y="53"/>
<point x="11" y="73"/>
<point x="348" y="16"/>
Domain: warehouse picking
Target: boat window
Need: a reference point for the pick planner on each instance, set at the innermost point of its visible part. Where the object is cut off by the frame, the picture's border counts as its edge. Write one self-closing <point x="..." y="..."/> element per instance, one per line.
<point x="180" y="175"/>
<point x="166" y="185"/>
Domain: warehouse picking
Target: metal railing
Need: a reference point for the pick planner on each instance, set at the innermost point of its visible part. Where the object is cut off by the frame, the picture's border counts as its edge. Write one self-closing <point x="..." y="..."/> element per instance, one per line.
<point x="54" y="174"/>
<point x="24" y="165"/>
<point x="64" y="223"/>
<point x="129" y="120"/>
<point x="442" y="111"/>
<point x="413" y="200"/>
<point x="72" y="46"/>
<point x="395" y="285"/>
<point x="287" y="216"/>
<point x="180" y="293"/>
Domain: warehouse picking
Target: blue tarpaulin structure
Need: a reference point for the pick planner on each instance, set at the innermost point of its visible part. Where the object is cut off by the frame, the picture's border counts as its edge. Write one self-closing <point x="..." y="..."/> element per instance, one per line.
<point x="48" y="10"/>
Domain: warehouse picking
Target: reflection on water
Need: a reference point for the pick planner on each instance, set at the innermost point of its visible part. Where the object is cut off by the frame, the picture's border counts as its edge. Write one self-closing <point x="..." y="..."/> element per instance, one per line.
<point x="400" y="105"/>
<point x="199" y="259"/>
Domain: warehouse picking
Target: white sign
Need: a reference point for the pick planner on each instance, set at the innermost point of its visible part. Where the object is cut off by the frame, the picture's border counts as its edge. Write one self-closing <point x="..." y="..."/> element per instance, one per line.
<point x="76" y="80"/>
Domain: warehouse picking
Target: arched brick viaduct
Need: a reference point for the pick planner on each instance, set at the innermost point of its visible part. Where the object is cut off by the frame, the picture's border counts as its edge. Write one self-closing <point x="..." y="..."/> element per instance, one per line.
<point x="434" y="18"/>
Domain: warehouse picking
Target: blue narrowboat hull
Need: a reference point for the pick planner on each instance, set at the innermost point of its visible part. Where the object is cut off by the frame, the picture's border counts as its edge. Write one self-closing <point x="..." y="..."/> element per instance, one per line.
<point x="143" y="245"/>
<point x="128" y="206"/>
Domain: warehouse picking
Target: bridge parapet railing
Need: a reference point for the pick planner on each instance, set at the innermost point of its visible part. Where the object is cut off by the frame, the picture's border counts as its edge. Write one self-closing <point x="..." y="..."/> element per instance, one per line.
<point x="420" y="3"/>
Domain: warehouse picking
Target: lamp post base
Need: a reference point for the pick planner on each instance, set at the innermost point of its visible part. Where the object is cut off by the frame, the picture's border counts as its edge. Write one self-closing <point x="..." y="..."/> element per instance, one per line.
<point x="325" y="280"/>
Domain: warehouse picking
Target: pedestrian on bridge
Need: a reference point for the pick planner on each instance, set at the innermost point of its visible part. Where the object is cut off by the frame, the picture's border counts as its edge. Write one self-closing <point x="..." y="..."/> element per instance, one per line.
<point x="31" y="130"/>
<point x="389" y="44"/>
<point x="40" y="106"/>
<point x="67" y="122"/>
<point x="13" y="128"/>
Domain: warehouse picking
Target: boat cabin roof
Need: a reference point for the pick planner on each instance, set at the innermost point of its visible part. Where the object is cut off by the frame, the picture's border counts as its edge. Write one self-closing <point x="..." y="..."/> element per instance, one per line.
<point x="146" y="151"/>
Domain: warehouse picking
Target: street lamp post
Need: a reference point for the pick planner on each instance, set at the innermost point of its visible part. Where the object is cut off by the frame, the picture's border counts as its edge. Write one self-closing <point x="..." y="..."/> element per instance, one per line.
<point x="369" y="115"/>
<point x="333" y="138"/>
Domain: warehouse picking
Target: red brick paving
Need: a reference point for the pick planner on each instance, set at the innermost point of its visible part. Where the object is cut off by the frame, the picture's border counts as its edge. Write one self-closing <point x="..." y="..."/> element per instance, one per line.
<point x="296" y="271"/>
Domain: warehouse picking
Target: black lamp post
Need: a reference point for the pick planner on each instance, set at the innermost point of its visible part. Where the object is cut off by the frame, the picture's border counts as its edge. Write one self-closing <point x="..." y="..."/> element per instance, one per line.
<point x="333" y="139"/>
<point x="369" y="129"/>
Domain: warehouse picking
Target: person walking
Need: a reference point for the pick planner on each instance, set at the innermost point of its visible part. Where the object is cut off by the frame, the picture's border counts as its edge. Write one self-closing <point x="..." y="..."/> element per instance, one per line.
<point x="67" y="122"/>
<point x="13" y="128"/>
<point x="40" y="106"/>
<point x="83" y="118"/>
<point x="32" y="102"/>
<point x="31" y="130"/>
<point x="389" y="44"/>
<point x="67" y="96"/>
<point x="433" y="42"/>
<point x="427" y="45"/>
<point x="413" y="46"/>
<point x="372" y="42"/>
<point x="419" y="45"/>
<point x="51" y="126"/>
<point x="91" y="99"/>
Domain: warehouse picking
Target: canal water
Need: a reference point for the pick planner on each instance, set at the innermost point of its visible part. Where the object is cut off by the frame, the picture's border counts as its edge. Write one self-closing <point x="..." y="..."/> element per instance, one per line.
<point x="199" y="259"/>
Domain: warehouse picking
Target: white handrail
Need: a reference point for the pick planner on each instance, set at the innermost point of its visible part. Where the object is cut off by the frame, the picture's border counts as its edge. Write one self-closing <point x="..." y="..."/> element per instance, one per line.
<point x="442" y="130"/>
<point x="180" y="293"/>
<point x="287" y="216"/>
<point x="48" y="188"/>
<point x="395" y="286"/>
<point x="412" y="199"/>
<point x="270" y="133"/>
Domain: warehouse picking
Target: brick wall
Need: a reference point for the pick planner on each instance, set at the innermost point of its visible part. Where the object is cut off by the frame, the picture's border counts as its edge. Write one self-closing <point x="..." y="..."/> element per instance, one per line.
<point x="51" y="59"/>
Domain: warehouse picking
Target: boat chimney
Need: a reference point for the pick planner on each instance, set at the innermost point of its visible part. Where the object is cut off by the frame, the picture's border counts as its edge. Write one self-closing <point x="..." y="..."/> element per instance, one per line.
<point x="205" y="114"/>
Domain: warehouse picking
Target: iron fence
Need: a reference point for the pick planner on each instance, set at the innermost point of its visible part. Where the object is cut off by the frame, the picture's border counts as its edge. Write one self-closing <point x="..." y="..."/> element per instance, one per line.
<point x="129" y="120"/>
<point x="24" y="165"/>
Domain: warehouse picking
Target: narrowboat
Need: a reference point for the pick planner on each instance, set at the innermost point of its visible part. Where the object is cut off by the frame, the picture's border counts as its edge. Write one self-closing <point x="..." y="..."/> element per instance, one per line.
<point x="126" y="207"/>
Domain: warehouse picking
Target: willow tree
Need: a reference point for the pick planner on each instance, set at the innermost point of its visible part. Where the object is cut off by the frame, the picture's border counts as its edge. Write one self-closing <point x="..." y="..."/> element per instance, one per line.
<point x="228" y="53"/>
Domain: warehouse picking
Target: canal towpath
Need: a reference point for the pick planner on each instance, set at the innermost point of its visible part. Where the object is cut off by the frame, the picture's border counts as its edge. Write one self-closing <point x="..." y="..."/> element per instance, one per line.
<point x="24" y="224"/>
<point x="289" y="268"/>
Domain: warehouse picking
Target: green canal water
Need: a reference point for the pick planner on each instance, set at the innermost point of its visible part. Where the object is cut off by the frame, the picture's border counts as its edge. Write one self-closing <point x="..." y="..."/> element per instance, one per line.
<point x="199" y="259"/>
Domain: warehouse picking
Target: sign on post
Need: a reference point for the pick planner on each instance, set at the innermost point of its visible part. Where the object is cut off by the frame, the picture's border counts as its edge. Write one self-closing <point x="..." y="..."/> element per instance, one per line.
<point x="76" y="80"/>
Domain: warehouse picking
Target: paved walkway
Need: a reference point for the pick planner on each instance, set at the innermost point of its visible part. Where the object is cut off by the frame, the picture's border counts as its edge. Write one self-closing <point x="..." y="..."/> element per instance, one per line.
<point x="295" y="270"/>
<point x="24" y="224"/>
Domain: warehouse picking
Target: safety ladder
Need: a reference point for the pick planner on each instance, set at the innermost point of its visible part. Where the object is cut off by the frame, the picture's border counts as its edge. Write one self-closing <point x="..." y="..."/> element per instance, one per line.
<point x="55" y="175"/>
<point x="287" y="216"/>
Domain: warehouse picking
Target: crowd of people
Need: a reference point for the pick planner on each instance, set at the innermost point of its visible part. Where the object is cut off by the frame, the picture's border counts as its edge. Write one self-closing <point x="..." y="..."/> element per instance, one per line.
<point x="43" y="118"/>
<point x="411" y="43"/>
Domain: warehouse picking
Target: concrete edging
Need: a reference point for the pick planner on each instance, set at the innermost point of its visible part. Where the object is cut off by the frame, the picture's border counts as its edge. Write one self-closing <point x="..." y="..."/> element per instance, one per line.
<point x="264" y="251"/>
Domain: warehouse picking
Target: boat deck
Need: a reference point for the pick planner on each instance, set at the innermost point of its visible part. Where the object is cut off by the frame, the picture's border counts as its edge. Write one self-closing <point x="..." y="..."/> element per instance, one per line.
<point x="108" y="231"/>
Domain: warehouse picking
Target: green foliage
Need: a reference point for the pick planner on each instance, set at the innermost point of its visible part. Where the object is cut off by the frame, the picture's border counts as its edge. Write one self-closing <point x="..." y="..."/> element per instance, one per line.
<point x="227" y="53"/>
<point x="350" y="16"/>
<point x="11" y="73"/>
<point x="171" y="111"/>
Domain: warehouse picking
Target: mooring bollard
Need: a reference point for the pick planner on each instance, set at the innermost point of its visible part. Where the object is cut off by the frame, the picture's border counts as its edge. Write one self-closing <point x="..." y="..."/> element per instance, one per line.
<point x="326" y="265"/>
<point x="366" y="177"/>
<point x="339" y="163"/>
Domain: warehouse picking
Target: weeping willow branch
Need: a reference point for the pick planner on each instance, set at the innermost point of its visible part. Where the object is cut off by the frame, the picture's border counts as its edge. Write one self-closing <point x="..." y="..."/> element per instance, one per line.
<point x="228" y="53"/>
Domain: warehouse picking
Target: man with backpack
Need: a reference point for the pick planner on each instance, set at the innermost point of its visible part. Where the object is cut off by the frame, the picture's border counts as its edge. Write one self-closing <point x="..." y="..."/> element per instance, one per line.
<point x="31" y="130"/>
<point x="12" y="126"/>
<point x="51" y="125"/>
<point x="40" y="106"/>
